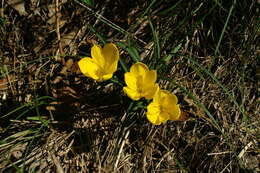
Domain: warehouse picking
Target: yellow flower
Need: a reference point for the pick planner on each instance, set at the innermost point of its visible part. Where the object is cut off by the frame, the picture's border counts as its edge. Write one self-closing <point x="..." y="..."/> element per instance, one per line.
<point x="163" y="107"/>
<point x="103" y="63"/>
<point x="140" y="82"/>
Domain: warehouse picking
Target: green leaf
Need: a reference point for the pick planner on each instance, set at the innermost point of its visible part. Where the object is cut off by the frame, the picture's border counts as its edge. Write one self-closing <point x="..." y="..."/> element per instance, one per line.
<point x="139" y="105"/>
<point x="173" y="51"/>
<point x="2" y="20"/>
<point x="89" y="2"/>
<point x="131" y="50"/>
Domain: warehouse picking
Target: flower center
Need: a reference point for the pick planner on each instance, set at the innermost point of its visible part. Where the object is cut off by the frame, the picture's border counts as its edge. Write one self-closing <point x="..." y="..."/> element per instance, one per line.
<point x="161" y="108"/>
<point x="139" y="84"/>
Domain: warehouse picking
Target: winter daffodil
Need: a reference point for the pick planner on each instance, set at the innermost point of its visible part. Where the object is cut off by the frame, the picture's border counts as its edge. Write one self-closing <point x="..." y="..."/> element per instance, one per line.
<point x="102" y="64"/>
<point x="163" y="107"/>
<point x="140" y="82"/>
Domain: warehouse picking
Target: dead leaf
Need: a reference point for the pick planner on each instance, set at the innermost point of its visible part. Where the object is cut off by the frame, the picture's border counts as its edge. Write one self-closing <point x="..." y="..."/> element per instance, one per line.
<point x="51" y="107"/>
<point x="69" y="63"/>
<point x="18" y="5"/>
<point x="68" y="38"/>
<point x="57" y="79"/>
<point x="3" y="84"/>
<point x="184" y="116"/>
<point x="5" y="81"/>
<point x="18" y="150"/>
<point x="197" y="110"/>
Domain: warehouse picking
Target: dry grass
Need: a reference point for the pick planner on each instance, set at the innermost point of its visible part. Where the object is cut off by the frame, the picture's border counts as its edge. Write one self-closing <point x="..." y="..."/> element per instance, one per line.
<point x="53" y="119"/>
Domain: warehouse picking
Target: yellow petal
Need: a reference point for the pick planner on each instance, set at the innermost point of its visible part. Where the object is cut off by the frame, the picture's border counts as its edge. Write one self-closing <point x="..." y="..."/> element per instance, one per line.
<point x="149" y="92"/>
<point x="157" y="95"/>
<point x="163" y="117"/>
<point x="89" y="68"/>
<point x="139" y="69"/>
<point x="131" y="80"/>
<point x="107" y="76"/>
<point x="175" y="113"/>
<point x="111" y="68"/>
<point x="150" y="77"/>
<point x="133" y="94"/>
<point x="169" y="98"/>
<point x="169" y="104"/>
<point x="148" y="86"/>
<point x="110" y="53"/>
<point x="97" y="55"/>
<point x="153" y="111"/>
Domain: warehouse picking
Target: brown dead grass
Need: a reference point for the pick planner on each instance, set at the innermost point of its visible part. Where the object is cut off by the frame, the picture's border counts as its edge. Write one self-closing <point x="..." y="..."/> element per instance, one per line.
<point x="89" y="128"/>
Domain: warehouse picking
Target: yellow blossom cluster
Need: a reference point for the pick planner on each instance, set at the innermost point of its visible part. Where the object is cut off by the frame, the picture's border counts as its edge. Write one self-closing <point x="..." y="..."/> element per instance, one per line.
<point x="140" y="82"/>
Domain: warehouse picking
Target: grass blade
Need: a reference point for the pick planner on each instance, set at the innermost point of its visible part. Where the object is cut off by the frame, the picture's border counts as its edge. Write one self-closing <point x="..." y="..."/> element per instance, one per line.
<point x="222" y="33"/>
<point x="219" y="84"/>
